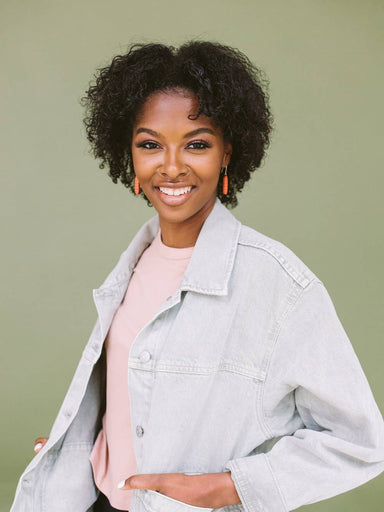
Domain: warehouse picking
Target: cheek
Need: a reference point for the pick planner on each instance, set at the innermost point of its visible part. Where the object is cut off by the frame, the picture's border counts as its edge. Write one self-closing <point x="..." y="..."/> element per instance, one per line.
<point x="142" y="165"/>
<point x="136" y="157"/>
<point x="206" y="165"/>
<point x="208" y="168"/>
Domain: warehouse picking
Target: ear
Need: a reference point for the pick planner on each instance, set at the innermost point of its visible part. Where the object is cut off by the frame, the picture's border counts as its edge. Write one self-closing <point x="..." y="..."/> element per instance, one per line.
<point x="228" y="153"/>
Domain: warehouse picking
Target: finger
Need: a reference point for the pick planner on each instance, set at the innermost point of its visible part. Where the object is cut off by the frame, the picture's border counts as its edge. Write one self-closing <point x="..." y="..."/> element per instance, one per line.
<point x="141" y="481"/>
<point x="38" y="447"/>
<point x="123" y="485"/>
<point x="39" y="443"/>
<point x="41" y="440"/>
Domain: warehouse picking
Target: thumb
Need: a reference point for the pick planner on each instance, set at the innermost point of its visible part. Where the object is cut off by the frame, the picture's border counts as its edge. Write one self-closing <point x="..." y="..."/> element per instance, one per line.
<point x="143" y="481"/>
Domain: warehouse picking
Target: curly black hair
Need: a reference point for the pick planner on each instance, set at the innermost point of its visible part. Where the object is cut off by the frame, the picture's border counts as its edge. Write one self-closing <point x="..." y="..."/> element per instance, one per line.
<point x="229" y="88"/>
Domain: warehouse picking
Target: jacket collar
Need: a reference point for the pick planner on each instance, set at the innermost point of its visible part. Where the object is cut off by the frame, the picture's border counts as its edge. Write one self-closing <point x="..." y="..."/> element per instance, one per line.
<point x="211" y="262"/>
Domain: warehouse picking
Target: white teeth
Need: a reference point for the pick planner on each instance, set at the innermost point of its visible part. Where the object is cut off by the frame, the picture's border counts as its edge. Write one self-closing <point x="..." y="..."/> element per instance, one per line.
<point x="175" y="191"/>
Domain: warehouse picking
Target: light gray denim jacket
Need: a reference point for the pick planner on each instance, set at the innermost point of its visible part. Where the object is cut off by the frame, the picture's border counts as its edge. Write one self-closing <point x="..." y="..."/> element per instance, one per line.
<point x="246" y="367"/>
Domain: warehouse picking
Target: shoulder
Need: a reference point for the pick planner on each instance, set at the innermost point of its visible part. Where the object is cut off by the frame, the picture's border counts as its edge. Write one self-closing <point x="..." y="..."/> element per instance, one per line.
<point x="266" y="251"/>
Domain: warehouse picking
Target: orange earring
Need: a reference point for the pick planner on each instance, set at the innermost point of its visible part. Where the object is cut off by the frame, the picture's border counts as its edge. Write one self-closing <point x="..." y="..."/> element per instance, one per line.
<point x="225" y="182"/>
<point x="137" y="186"/>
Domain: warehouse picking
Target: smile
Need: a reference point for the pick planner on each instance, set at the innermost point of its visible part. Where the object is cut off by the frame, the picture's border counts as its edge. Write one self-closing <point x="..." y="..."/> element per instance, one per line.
<point x="175" y="191"/>
<point x="174" y="196"/>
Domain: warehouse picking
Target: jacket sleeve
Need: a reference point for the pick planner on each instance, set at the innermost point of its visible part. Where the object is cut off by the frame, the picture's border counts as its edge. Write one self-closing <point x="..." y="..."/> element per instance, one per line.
<point x="339" y="444"/>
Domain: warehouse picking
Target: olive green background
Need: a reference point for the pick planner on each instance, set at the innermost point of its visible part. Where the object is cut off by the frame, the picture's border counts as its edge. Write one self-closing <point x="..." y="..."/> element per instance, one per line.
<point x="65" y="223"/>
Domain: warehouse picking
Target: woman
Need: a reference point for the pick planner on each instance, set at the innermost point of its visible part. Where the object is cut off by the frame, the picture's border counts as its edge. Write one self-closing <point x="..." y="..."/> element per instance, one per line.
<point x="245" y="392"/>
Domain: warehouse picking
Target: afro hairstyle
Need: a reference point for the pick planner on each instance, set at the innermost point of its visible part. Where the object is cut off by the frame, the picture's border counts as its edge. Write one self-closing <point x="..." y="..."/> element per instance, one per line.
<point x="230" y="89"/>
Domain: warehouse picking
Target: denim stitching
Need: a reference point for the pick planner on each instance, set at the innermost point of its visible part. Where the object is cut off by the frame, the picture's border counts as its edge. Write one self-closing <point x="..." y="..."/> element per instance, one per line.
<point x="300" y="278"/>
<point x="276" y="483"/>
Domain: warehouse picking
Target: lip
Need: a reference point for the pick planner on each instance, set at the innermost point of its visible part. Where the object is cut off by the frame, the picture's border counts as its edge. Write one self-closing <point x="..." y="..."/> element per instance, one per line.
<point x="174" y="200"/>
<point x="174" y="185"/>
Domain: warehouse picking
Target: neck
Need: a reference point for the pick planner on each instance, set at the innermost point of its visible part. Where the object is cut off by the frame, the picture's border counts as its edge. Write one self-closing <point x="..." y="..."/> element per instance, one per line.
<point x="185" y="233"/>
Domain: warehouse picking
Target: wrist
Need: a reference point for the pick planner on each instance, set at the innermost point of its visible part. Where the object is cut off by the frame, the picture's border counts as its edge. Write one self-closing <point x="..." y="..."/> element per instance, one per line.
<point x="225" y="491"/>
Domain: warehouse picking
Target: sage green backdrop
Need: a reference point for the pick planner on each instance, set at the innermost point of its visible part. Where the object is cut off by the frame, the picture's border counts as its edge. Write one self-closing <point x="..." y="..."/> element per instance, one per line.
<point x="65" y="223"/>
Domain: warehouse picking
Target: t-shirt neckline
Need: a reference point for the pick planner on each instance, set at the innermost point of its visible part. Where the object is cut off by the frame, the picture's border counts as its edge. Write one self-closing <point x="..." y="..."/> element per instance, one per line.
<point x="173" y="253"/>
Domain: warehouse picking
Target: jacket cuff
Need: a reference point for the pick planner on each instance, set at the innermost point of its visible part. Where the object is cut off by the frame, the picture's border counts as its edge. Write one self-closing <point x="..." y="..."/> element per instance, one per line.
<point x="255" y="484"/>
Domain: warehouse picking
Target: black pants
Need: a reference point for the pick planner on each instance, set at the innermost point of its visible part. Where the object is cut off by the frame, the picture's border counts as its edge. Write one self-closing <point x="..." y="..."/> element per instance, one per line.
<point x="102" y="505"/>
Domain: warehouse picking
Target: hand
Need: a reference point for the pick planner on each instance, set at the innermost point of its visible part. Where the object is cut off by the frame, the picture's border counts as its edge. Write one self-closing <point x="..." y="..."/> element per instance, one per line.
<point x="39" y="443"/>
<point x="212" y="490"/>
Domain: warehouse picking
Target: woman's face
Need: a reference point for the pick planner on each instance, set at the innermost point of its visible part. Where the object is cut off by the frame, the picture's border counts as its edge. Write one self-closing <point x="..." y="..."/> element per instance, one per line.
<point x="166" y="155"/>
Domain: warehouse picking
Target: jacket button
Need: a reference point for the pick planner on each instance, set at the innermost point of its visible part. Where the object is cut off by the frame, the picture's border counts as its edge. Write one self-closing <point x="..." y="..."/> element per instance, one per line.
<point x="145" y="356"/>
<point x="139" y="431"/>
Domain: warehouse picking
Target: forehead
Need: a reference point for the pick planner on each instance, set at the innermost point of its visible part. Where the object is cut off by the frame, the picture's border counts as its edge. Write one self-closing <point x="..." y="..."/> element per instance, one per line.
<point x="172" y="107"/>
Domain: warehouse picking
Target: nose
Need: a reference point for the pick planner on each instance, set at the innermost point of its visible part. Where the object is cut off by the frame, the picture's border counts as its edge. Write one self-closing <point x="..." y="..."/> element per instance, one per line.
<point x="173" y="165"/>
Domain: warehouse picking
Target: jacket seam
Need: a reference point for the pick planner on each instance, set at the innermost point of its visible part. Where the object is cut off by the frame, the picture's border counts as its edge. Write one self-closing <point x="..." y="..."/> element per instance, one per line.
<point x="300" y="278"/>
<point x="276" y="483"/>
<point x="288" y="312"/>
<point x="199" y="370"/>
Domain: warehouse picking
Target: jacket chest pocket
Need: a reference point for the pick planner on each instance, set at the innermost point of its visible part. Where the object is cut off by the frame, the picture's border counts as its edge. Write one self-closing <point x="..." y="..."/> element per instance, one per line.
<point x="212" y="334"/>
<point x="208" y="377"/>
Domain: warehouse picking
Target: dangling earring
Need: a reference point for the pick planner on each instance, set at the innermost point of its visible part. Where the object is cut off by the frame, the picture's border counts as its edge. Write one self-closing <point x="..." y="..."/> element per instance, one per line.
<point x="137" y="186"/>
<point x="225" y="182"/>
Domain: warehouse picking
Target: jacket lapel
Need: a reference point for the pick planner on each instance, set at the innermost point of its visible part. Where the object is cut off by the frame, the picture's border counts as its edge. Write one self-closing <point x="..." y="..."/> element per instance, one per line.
<point x="208" y="271"/>
<point x="213" y="256"/>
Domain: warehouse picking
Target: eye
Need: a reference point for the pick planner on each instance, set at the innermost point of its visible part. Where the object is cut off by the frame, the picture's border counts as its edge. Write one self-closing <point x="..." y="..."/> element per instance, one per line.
<point x="202" y="143"/>
<point x="144" y="144"/>
<point x="153" y="145"/>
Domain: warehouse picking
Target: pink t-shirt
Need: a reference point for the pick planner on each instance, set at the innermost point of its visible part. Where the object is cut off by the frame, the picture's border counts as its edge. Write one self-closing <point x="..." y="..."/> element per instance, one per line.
<point x="157" y="275"/>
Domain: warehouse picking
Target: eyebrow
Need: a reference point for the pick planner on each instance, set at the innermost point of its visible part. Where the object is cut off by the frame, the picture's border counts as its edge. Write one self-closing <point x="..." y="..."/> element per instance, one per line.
<point x="189" y="134"/>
